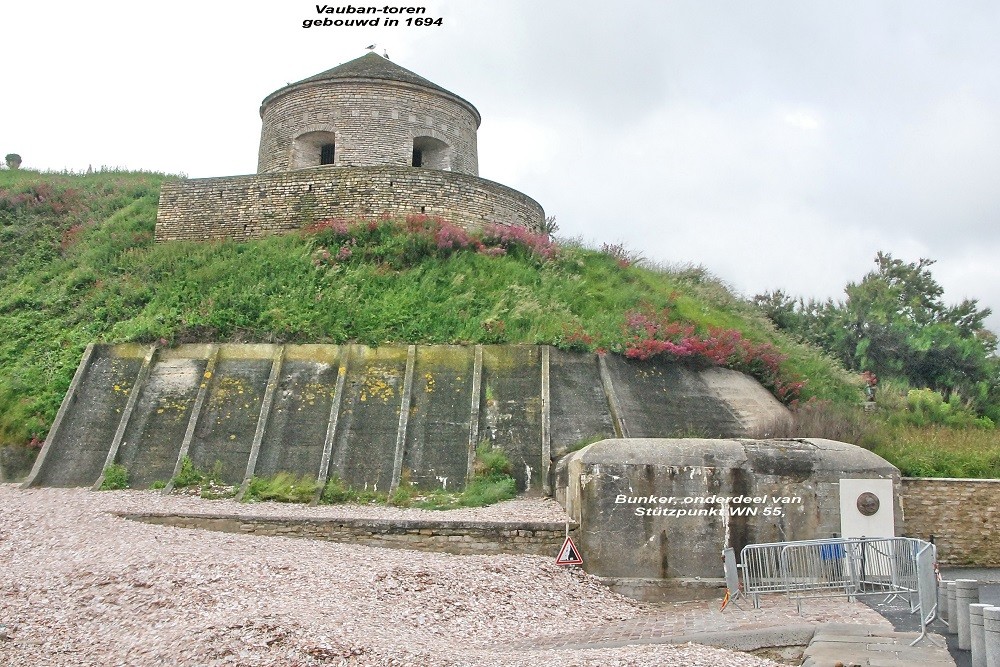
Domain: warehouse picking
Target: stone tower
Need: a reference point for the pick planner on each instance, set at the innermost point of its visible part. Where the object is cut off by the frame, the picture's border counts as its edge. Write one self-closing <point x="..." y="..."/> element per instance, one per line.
<point x="368" y="112"/>
<point x="364" y="140"/>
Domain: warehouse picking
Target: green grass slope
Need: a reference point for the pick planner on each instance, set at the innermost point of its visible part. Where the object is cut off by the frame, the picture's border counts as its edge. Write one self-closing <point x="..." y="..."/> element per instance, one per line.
<point x="78" y="264"/>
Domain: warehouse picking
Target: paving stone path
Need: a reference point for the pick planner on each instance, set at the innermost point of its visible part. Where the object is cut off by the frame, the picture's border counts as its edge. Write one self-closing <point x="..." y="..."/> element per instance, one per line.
<point x="668" y="622"/>
<point x="849" y="645"/>
<point x="836" y="631"/>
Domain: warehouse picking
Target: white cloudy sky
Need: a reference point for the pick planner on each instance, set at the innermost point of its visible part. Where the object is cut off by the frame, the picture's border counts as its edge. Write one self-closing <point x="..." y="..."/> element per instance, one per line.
<point x="778" y="143"/>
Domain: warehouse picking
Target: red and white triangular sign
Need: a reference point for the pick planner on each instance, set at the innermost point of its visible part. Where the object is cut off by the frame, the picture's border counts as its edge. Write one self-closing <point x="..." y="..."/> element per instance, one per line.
<point x="569" y="554"/>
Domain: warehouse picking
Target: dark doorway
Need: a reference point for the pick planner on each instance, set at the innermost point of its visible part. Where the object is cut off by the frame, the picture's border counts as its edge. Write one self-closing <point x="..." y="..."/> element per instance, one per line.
<point x="418" y="157"/>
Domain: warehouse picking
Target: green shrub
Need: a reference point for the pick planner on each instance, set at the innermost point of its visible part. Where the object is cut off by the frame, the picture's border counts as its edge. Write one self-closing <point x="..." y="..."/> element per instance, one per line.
<point x="491" y="463"/>
<point x="283" y="487"/>
<point x="491" y="482"/>
<point x="188" y="475"/>
<point x="481" y="492"/>
<point x="402" y="496"/>
<point x="927" y="407"/>
<point x="115" y="477"/>
<point x="335" y="492"/>
<point x="941" y="451"/>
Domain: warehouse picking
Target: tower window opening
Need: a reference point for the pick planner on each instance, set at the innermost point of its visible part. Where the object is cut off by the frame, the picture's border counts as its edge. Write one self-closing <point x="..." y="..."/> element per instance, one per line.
<point x="431" y="153"/>
<point x="326" y="154"/>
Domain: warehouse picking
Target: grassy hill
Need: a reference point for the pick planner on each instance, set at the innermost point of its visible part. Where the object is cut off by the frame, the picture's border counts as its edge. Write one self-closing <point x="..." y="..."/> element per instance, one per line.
<point x="78" y="264"/>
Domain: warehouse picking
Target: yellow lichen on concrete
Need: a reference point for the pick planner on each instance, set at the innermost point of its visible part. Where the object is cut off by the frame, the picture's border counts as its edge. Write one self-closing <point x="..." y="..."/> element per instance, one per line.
<point x="378" y="382"/>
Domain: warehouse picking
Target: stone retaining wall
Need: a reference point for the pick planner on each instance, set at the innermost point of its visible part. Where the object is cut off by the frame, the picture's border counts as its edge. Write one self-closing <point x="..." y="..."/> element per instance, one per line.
<point x="457" y="537"/>
<point x="960" y="516"/>
<point x="249" y="207"/>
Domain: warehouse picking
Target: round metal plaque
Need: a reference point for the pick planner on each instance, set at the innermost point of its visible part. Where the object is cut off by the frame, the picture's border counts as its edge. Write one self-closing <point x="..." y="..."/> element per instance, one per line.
<point x="868" y="503"/>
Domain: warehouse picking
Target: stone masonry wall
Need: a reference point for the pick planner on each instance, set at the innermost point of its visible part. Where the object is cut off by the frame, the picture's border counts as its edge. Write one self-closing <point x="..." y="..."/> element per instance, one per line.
<point x="248" y="207"/>
<point x="962" y="515"/>
<point x="374" y="123"/>
<point x="458" y="537"/>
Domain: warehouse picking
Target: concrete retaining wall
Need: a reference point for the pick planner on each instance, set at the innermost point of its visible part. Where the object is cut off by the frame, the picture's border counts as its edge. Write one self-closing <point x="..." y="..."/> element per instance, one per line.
<point x="961" y="516"/>
<point x="373" y="417"/>
<point x="457" y="537"/>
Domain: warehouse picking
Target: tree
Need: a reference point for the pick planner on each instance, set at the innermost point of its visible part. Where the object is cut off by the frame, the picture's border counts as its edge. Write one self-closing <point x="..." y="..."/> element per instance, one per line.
<point x="13" y="160"/>
<point x="894" y="323"/>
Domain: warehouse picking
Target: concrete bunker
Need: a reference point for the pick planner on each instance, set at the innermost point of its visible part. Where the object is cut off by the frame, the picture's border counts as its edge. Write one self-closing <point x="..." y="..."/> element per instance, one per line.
<point x="656" y="513"/>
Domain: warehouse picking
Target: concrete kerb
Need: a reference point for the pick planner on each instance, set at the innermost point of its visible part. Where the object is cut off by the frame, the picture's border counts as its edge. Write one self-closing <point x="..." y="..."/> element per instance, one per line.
<point x="827" y="644"/>
<point x="733" y="640"/>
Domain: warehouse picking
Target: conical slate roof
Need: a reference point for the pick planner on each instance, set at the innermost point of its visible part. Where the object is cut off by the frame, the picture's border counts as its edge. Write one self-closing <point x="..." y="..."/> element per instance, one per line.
<point x="372" y="66"/>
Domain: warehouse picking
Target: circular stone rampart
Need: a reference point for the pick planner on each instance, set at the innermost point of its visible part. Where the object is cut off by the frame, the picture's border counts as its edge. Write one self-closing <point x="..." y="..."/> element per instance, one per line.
<point x="247" y="207"/>
<point x="369" y="122"/>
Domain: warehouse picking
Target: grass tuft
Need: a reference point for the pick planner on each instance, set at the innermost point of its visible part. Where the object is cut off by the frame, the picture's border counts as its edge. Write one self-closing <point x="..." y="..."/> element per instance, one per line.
<point x="283" y="487"/>
<point x="115" y="478"/>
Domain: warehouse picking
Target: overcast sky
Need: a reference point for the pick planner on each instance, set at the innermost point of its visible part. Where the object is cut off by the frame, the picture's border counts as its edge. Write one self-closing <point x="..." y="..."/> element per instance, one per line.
<point x="779" y="144"/>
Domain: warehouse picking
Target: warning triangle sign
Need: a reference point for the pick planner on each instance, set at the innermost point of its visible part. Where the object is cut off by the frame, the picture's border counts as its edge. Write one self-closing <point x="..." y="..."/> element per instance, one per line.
<point x="569" y="554"/>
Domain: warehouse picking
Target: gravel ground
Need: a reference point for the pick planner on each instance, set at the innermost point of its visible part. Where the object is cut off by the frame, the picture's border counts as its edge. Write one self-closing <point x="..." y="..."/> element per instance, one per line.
<point x="81" y="587"/>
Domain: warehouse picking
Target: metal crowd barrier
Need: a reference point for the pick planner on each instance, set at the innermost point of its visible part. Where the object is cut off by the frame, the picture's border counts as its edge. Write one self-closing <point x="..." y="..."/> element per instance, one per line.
<point x="848" y="567"/>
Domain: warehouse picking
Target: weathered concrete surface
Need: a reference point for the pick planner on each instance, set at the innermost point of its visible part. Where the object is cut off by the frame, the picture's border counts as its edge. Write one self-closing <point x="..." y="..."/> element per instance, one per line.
<point x="327" y="410"/>
<point x="92" y="411"/>
<point x="654" y="508"/>
<point x="228" y="421"/>
<point x="580" y="410"/>
<point x="512" y="413"/>
<point x="369" y="417"/>
<point x="847" y="644"/>
<point x="15" y="462"/>
<point x="156" y="428"/>
<point x="296" y="429"/>
<point x="437" y="442"/>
